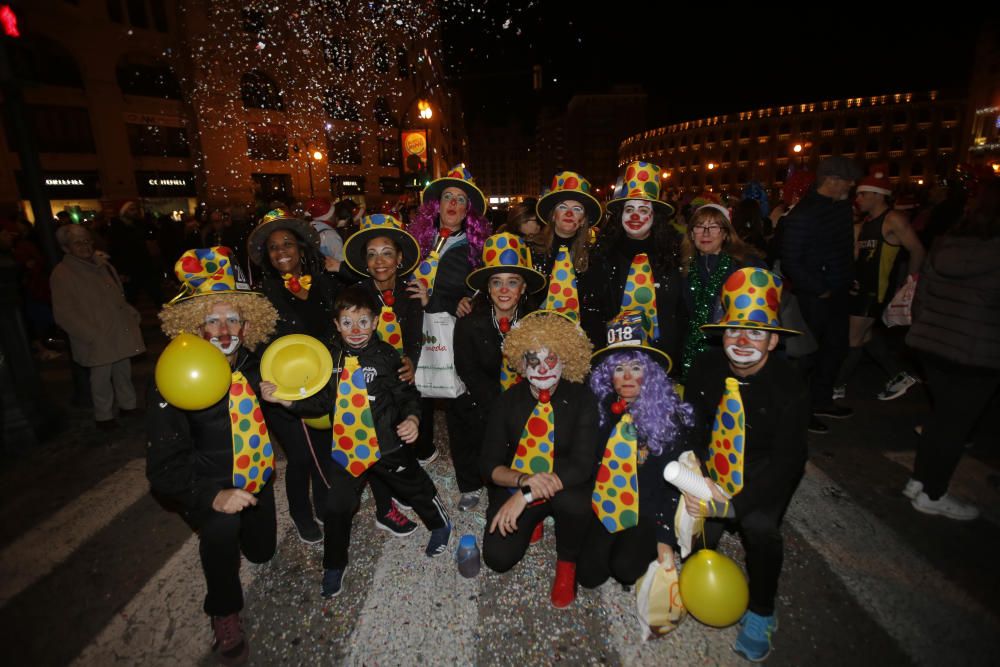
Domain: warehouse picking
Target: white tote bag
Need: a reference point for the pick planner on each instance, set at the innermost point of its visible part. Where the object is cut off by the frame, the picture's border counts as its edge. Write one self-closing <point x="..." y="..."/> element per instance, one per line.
<point x="436" y="376"/>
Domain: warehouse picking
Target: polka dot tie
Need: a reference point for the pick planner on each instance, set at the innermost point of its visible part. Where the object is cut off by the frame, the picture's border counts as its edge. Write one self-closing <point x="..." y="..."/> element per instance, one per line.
<point x="253" y="455"/>
<point x="562" y="294"/>
<point x="616" y="494"/>
<point x="388" y="329"/>
<point x="537" y="443"/>
<point x="355" y="445"/>
<point x="728" y="446"/>
<point x="428" y="269"/>
<point x="640" y="294"/>
<point x="508" y="376"/>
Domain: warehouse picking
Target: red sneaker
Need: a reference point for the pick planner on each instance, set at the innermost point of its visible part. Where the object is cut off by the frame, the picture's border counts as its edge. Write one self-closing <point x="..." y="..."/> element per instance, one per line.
<point x="538" y="533"/>
<point x="564" y="586"/>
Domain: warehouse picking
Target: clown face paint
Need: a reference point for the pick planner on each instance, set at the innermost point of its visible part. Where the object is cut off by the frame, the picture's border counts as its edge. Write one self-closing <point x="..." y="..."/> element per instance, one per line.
<point x="569" y="217"/>
<point x="542" y="368"/>
<point x="747" y="349"/>
<point x="454" y="206"/>
<point x="637" y="219"/>
<point x="627" y="380"/>
<point x="356" y="326"/>
<point x="506" y="290"/>
<point x="223" y="328"/>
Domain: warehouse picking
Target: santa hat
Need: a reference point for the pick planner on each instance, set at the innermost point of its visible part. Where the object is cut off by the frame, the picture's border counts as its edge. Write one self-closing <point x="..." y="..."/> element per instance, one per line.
<point x="319" y="209"/>
<point x="876" y="181"/>
<point x="124" y="204"/>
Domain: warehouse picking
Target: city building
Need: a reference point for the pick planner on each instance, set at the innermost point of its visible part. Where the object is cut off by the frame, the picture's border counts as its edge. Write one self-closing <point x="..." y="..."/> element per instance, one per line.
<point x="984" y="101"/>
<point x="499" y="158"/>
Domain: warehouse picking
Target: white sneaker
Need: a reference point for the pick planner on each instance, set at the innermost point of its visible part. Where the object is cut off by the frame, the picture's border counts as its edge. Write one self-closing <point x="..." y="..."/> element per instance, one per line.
<point x="945" y="506"/>
<point x="897" y="386"/>
<point x="839" y="392"/>
<point x="913" y="488"/>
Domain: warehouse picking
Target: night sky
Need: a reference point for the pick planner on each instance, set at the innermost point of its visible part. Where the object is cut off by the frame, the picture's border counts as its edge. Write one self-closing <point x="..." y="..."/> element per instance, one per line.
<point x="691" y="66"/>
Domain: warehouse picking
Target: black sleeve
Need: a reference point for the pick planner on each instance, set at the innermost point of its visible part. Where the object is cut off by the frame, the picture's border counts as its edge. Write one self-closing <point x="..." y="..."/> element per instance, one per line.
<point x="482" y="387"/>
<point x="320" y="403"/>
<point x="795" y="241"/>
<point x="495" y="451"/>
<point x="698" y="393"/>
<point x="405" y="396"/>
<point x="585" y="453"/>
<point x="413" y="327"/>
<point x="449" y="285"/>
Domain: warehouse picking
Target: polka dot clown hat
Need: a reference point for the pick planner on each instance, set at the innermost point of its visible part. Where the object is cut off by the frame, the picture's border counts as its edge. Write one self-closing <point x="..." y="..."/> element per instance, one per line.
<point x="208" y="271"/>
<point x="504" y="253"/>
<point x="625" y="333"/>
<point x="374" y="226"/>
<point x="641" y="181"/>
<point x="751" y="298"/>
<point x="569" y="185"/>
<point x="457" y="177"/>
<point x="273" y="221"/>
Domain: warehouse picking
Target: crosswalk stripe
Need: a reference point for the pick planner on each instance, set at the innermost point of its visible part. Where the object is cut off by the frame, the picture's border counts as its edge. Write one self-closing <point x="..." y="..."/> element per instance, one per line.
<point x="40" y="550"/>
<point x="897" y="587"/>
<point x="969" y="482"/>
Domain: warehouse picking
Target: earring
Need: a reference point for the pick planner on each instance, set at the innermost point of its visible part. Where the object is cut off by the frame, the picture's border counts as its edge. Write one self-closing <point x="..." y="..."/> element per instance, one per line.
<point x="399" y="266"/>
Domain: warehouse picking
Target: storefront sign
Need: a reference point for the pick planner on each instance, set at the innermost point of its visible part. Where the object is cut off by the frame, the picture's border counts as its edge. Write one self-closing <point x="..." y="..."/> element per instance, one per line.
<point x="65" y="184"/>
<point x="165" y="183"/>
<point x="351" y="185"/>
<point x="414" y="144"/>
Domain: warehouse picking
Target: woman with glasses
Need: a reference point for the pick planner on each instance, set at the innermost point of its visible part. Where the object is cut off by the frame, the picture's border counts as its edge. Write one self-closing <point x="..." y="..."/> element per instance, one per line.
<point x="710" y="252"/>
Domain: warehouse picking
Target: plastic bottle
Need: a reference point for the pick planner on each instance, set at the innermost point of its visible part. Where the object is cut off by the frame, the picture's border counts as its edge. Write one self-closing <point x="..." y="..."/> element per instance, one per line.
<point x="468" y="556"/>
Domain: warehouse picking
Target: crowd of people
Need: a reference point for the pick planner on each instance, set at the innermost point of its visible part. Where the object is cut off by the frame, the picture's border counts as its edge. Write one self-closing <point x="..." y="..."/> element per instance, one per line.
<point x="590" y="345"/>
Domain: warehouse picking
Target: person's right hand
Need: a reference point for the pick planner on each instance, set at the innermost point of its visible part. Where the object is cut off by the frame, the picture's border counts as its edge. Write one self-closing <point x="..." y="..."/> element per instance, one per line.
<point x="233" y="501"/>
<point x="544" y="485"/>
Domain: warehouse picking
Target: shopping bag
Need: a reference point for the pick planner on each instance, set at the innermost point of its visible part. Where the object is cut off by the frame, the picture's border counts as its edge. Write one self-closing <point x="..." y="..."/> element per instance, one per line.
<point x="436" y="376"/>
<point x="659" y="608"/>
<point x="899" y="312"/>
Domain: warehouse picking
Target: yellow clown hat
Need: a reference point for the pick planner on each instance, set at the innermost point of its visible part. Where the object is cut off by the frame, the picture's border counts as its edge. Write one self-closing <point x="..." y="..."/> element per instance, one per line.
<point x="208" y="271"/>
<point x="457" y="177"/>
<point x="273" y="221"/>
<point x="627" y="333"/>
<point x="298" y="364"/>
<point x="374" y="226"/>
<point x="751" y="298"/>
<point x="641" y="181"/>
<point x="573" y="186"/>
<point x="504" y="253"/>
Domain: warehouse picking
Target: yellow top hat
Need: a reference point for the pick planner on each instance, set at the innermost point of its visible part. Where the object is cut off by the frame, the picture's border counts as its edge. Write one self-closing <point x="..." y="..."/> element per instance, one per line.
<point x="503" y="253"/>
<point x="373" y="226"/>
<point x="642" y="181"/>
<point x="457" y="177"/>
<point x="299" y="365"/>
<point x="573" y="186"/>
<point x="752" y="298"/>
<point x="626" y="333"/>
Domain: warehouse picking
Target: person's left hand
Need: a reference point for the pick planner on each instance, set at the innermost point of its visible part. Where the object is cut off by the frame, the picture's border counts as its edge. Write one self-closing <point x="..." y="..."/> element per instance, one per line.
<point x="464" y="307"/>
<point x="407" y="371"/>
<point x="506" y="518"/>
<point x="408" y="429"/>
<point x="267" y="390"/>
<point x="418" y="290"/>
<point x="665" y="555"/>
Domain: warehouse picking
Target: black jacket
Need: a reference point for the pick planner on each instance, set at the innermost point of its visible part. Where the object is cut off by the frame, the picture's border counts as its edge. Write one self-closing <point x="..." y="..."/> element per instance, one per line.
<point x="391" y="399"/>
<point x="577" y="450"/>
<point x="478" y="356"/>
<point x="449" y="285"/>
<point x="312" y="316"/>
<point x="189" y="454"/>
<point x="776" y="402"/>
<point x="409" y="313"/>
<point x="817" y="244"/>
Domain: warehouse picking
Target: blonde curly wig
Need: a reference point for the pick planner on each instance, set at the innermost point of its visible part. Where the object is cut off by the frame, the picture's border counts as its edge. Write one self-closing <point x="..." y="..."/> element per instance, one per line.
<point x="557" y="334"/>
<point x="189" y="315"/>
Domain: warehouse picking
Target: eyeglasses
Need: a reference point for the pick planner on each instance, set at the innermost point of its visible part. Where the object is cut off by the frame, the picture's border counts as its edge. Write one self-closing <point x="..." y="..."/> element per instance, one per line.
<point x="711" y="230"/>
<point x="750" y="334"/>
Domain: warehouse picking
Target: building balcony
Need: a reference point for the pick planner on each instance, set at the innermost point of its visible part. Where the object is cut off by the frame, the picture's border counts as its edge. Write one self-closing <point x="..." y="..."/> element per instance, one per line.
<point x="871" y="155"/>
<point x="850" y="131"/>
<point x="895" y="153"/>
<point x="826" y="133"/>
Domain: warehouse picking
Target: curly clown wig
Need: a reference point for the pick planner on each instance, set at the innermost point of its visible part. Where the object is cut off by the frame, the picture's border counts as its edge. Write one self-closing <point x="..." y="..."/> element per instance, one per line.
<point x="658" y="412"/>
<point x="189" y="315"/>
<point x="425" y="224"/>
<point x="555" y="333"/>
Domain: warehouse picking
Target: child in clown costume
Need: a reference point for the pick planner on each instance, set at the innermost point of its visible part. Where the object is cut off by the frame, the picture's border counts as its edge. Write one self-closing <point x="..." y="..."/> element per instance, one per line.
<point x="216" y="464"/>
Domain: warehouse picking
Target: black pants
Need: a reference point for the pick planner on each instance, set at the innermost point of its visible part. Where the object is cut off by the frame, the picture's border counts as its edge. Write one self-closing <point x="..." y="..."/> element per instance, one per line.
<point x="223" y="536"/>
<point x="424" y="446"/>
<point x="571" y="509"/>
<point x="961" y="394"/>
<point x="466" y="430"/>
<point x="624" y="555"/>
<point x="302" y="470"/>
<point x="405" y="479"/>
<point x="828" y="320"/>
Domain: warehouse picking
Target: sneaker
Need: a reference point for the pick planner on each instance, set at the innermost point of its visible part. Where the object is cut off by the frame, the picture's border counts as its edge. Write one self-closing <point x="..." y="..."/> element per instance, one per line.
<point x="754" y="640"/>
<point x="395" y="522"/>
<point x="897" y="386"/>
<point x="438" y="544"/>
<point x="839" y="392"/>
<point x="468" y="501"/>
<point x="945" y="506"/>
<point x="816" y="426"/>
<point x="309" y="532"/>
<point x="230" y="646"/>
<point x="834" y="412"/>
<point x="333" y="582"/>
<point x="429" y="460"/>
<point x="913" y="488"/>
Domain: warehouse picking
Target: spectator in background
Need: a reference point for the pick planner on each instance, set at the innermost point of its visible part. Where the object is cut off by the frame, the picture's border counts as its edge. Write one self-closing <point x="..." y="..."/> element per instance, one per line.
<point x="130" y="253"/>
<point x="522" y="220"/>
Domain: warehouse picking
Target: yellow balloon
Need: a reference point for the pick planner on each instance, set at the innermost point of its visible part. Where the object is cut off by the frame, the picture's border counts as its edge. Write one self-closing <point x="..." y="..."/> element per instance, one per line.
<point x="321" y="423"/>
<point x="714" y="588"/>
<point x="192" y="374"/>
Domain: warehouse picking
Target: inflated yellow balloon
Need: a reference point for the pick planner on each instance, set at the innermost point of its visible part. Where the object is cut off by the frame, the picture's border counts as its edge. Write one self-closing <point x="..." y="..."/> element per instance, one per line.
<point x="192" y="374"/>
<point x="714" y="589"/>
<point x="321" y="423"/>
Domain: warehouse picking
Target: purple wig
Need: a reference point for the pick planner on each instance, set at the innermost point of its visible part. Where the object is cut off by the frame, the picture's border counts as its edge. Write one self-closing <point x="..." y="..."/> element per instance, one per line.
<point x="425" y="224"/>
<point x="658" y="412"/>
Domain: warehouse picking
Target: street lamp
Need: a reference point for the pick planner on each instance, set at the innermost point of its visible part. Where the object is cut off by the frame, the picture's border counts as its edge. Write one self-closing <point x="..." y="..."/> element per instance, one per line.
<point x="425" y="110"/>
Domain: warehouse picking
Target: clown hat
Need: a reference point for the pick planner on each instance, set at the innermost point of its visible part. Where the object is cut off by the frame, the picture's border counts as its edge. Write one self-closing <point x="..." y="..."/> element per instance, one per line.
<point x="626" y="333"/>
<point x="273" y="221"/>
<point x="641" y="181"/>
<point x="299" y="365"/>
<point x="503" y="253"/>
<point x="457" y="177"/>
<point x="569" y="185"/>
<point x="751" y="298"/>
<point x="876" y="181"/>
<point x="374" y="226"/>
<point x="209" y="271"/>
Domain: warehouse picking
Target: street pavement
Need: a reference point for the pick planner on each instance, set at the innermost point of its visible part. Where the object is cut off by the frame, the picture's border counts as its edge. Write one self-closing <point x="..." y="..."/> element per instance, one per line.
<point x="93" y="571"/>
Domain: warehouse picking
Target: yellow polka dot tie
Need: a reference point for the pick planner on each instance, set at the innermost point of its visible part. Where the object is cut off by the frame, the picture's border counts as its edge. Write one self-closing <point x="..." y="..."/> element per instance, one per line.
<point x="616" y="493"/>
<point x="508" y="376"/>
<point x="537" y="443"/>
<point x="427" y="271"/>
<point x="388" y="329"/>
<point x="355" y="444"/>
<point x="640" y="294"/>
<point x="728" y="446"/>
<point x="562" y="295"/>
<point x="253" y="455"/>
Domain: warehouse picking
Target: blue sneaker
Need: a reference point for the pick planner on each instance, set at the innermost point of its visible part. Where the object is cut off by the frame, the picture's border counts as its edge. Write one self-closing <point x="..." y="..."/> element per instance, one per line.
<point x="754" y="642"/>
<point x="333" y="582"/>
<point x="438" y="544"/>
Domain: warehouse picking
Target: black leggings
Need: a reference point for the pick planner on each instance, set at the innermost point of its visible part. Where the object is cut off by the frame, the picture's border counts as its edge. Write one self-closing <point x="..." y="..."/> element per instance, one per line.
<point x="301" y="471"/>
<point x="466" y="430"/>
<point x="624" y="555"/>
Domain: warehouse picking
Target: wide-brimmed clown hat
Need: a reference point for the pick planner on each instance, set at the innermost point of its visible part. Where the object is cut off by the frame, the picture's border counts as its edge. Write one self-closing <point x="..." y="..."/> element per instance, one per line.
<point x="626" y="334"/>
<point x="273" y="221"/>
<point x="457" y="177"/>
<point x="504" y="253"/>
<point x="374" y="226"/>
<point x="751" y="298"/>
<point x="642" y="181"/>
<point x="569" y="185"/>
<point x="208" y="272"/>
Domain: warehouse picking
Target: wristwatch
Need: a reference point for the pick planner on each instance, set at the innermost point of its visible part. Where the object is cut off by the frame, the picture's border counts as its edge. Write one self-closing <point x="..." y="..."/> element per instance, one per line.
<point x="526" y="491"/>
